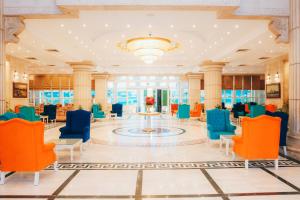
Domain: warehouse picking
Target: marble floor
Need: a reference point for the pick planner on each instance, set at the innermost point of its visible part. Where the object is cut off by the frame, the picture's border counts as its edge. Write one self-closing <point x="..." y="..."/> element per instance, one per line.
<point x="175" y="162"/>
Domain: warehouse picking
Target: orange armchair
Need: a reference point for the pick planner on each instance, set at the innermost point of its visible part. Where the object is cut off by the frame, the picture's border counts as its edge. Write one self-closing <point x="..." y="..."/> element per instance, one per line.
<point x="174" y="109"/>
<point x="197" y="111"/>
<point x="259" y="139"/>
<point x="271" y="107"/>
<point x="22" y="148"/>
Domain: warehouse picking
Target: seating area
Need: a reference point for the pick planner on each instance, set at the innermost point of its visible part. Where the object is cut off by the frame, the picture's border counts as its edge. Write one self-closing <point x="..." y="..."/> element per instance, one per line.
<point x="150" y="100"/>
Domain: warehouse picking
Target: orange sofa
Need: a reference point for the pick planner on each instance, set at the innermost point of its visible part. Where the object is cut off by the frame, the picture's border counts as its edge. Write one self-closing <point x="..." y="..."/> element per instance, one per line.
<point x="271" y="107"/>
<point x="22" y="148"/>
<point x="259" y="139"/>
<point x="197" y="111"/>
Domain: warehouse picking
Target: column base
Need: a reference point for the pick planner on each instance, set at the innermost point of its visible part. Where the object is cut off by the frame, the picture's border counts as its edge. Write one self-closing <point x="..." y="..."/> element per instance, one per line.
<point x="293" y="142"/>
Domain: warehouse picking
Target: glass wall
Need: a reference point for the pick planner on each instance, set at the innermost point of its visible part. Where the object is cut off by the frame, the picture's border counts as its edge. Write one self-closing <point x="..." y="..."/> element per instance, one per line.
<point x="51" y="96"/>
<point x="230" y="97"/>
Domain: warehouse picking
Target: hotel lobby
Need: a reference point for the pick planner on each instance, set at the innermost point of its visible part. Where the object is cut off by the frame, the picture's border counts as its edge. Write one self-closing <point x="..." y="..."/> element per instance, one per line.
<point x="144" y="100"/>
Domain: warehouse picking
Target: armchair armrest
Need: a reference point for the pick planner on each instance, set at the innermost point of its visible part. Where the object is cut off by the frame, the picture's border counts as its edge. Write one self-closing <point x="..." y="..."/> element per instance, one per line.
<point x="63" y="129"/>
<point x="48" y="146"/>
<point x="231" y="127"/>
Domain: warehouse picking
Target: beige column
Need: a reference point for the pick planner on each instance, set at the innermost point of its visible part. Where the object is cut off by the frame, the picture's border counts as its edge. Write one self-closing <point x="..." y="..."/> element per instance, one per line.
<point x="2" y="60"/>
<point x="212" y="83"/>
<point x="294" y="75"/>
<point x="82" y="84"/>
<point x="100" y="88"/>
<point x="194" y="88"/>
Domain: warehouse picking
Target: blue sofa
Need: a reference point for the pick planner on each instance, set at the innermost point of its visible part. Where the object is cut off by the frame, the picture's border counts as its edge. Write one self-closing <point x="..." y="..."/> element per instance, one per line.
<point x="77" y="125"/>
<point x="256" y="110"/>
<point x="97" y="113"/>
<point x="283" y="127"/>
<point x="117" y="108"/>
<point x="50" y="111"/>
<point x="183" y="111"/>
<point x="218" y="123"/>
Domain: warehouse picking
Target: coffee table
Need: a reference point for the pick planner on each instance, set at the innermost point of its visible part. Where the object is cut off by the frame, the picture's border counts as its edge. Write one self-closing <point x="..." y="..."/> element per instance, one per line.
<point x="68" y="144"/>
<point x="227" y="139"/>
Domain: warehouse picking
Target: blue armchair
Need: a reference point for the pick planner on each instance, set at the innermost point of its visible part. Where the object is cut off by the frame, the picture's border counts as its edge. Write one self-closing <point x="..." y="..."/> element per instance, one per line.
<point x="238" y="110"/>
<point x="28" y="113"/>
<point x="50" y="111"/>
<point x="283" y="127"/>
<point x="218" y="123"/>
<point x="97" y="113"/>
<point x="117" y="108"/>
<point x="256" y="110"/>
<point x="183" y="111"/>
<point x="77" y="125"/>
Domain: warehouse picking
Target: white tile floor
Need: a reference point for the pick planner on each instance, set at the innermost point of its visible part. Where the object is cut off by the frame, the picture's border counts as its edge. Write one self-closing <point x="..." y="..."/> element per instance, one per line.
<point x="119" y="167"/>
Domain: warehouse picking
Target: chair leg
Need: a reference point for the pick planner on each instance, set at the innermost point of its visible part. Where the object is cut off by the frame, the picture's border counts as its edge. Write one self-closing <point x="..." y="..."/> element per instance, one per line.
<point x="36" y="178"/>
<point x="246" y="164"/>
<point x="284" y="150"/>
<point x="276" y="164"/>
<point x="55" y="166"/>
<point x="2" y="178"/>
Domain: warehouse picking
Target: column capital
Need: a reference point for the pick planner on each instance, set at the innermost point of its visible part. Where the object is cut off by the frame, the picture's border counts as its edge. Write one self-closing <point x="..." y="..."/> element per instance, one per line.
<point x="100" y="75"/>
<point x="212" y="65"/>
<point x="195" y="75"/>
<point x="82" y="65"/>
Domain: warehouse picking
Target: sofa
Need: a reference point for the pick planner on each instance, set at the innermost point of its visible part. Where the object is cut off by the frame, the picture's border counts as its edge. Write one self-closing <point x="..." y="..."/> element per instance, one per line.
<point x="256" y="110"/>
<point x="259" y="139"/>
<point x="77" y="125"/>
<point x="22" y="148"/>
<point x="218" y="123"/>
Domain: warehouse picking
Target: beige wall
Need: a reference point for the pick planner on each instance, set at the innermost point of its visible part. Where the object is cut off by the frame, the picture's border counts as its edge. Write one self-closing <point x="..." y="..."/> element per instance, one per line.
<point x="279" y="65"/>
<point x="194" y="81"/>
<point x="15" y="64"/>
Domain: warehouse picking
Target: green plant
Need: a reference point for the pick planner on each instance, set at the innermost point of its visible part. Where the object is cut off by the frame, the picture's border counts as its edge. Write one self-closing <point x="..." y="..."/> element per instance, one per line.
<point x="285" y="107"/>
<point x="218" y="106"/>
<point x="10" y="110"/>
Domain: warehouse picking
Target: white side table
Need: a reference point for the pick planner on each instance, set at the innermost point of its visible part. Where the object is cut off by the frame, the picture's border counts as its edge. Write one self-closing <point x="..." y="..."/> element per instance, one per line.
<point x="44" y="118"/>
<point x="227" y="139"/>
<point x="68" y="144"/>
<point x="113" y="115"/>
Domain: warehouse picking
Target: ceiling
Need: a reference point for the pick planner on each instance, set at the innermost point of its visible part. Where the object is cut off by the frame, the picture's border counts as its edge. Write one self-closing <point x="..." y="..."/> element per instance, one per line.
<point x="95" y="34"/>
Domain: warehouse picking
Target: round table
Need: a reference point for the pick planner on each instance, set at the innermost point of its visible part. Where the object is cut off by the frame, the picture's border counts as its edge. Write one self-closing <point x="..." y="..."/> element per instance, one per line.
<point x="148" y="116"/>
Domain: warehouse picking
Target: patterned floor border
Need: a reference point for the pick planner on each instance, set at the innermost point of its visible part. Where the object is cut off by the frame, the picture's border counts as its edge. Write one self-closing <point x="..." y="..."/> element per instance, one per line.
<point x="173" y="165"/>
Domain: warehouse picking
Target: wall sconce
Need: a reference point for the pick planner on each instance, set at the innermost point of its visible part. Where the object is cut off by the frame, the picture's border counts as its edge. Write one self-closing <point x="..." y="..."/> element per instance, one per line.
<point x="277" y="78"/>
<point x="25" y="76"/>
<point x="16" y="76"/>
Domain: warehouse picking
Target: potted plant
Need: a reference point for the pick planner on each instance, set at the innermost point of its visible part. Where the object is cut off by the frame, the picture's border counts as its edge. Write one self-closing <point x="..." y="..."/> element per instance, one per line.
<point x="149" y="103"/>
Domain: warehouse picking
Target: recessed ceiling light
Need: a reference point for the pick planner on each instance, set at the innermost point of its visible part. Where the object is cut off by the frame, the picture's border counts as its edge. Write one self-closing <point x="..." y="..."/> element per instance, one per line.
<point x="81" y="42"/>
<point x="259" y="42"/>
<point x="76" y="38"/>
<point x="210" y="47"/>
<point x="221" y="38"/>
<point x="107" y="41"/>
<point x="215" y="25"/>
<point x="122" y="35"/>
<point x="128" y="26"/>
<point x="19" y="48"/>
<point x="215" y="43"/>
<point x="190" y="41"/>
<point x="194" y="25"/>
<point x="175" y="35"/>
<point x="62" y="25"/>
<point x="171" y="26"/>
<point x="236" y="26"/>
<point x="106" y="25"/>
<point x="149" y="26"/>
<point x="83" y="25"/>
<point x="271" y="36"/>
<point x="69" y="31"/>
<point x="86" y="46"/>
<point x="228" y="32"/>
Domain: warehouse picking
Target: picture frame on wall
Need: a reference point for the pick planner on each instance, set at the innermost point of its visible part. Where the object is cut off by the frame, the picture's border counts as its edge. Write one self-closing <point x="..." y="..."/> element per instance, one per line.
<point x="273" y="90"/>
<point x="20" y="90"/>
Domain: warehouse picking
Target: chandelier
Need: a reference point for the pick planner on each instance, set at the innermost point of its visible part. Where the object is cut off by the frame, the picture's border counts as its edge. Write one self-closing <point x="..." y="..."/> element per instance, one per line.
<point x="148" y="49"/>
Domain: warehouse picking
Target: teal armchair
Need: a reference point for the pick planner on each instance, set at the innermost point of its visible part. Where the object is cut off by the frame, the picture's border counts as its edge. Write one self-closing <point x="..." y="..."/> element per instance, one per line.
<point x="183" y="111"/>
<point x="28" y="113"/>
<point x="256" y="110"/>
<point x="97" y="113"/>
<point x="218" y="123"/>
